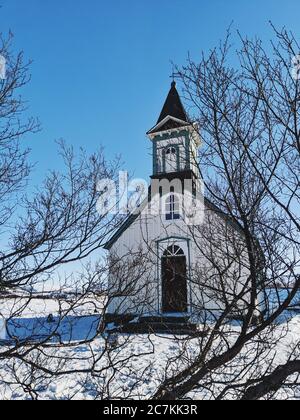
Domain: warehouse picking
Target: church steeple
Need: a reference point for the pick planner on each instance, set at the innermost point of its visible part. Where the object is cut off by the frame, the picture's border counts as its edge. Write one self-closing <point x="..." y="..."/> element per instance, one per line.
<point x="175" y="140"/>
<point x="173" y="106"/>
<point x="173" y="114"/>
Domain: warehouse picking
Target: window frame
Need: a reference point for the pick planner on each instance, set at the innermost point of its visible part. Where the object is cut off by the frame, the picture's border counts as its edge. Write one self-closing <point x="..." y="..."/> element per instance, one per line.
<point x="172" y="206"/>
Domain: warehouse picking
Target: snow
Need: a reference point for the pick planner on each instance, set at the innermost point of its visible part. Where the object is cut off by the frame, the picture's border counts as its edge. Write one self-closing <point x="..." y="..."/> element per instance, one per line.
<point x="140" y="360"/>
<point x="67" y="329"/>
<point x="28" y="307"/>
<point x="151" y="355"/>
<point x="277" y="296"/>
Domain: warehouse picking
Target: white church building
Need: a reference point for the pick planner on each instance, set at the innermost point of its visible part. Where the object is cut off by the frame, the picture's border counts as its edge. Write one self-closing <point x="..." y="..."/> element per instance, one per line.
<point x="166" y="257"/>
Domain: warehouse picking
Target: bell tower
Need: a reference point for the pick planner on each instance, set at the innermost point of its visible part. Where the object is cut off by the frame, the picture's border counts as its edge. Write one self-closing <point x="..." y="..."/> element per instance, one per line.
<point x="175" y="182"/>
<point x="175" y="141"/>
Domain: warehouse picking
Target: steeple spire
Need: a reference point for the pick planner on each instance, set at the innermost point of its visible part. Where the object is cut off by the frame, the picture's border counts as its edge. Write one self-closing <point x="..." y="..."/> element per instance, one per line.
<point x="173" y="106"/>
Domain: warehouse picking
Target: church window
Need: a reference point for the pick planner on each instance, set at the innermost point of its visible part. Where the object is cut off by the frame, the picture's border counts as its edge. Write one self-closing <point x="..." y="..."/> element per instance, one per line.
<point x="171" y="150"/>
<point x="172" y="206"/>
<point x="173" y="251"/>
<point x="171" y="159"/>
<point x="159" y="165"/>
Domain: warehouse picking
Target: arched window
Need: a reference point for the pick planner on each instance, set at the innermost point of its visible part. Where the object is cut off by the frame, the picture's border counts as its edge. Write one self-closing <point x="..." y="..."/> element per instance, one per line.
<point x="173" y="251"/>
<point x="172" y="206"/>
<point x="171" y="159"/>
<point x="171" y="151"/>
<point x="159" y="164"/>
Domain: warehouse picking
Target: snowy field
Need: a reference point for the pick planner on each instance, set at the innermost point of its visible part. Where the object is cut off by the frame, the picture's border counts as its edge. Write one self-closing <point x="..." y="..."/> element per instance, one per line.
<point x="35" y="307"/>
<point x="65" y="320"/>
<point x="139" y="361"/>
<point x="138" y="380"/>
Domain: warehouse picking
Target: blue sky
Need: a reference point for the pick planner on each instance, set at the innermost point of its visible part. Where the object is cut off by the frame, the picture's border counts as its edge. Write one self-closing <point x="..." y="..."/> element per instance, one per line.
<point x="101" y="68"/>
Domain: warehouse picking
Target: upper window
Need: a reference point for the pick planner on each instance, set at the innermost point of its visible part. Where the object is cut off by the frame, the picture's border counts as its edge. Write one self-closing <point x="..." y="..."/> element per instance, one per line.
<point x="159" y="164"/>
<point x="170" y="151"/>
<point x="171" y="159"/>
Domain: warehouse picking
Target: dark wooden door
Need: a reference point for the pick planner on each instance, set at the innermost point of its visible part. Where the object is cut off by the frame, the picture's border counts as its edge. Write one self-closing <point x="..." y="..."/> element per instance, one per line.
<point x="174" y="285"/>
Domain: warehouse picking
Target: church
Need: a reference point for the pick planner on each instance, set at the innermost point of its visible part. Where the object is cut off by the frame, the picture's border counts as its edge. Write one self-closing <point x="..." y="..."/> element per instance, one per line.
<point x="166" y="258"/>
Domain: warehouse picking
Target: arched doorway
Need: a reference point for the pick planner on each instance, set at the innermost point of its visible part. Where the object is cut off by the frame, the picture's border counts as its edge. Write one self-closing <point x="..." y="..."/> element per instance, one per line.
<point x="174" y="282"/>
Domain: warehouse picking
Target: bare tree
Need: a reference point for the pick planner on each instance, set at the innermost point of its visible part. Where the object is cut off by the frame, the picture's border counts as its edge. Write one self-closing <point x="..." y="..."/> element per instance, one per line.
<point x="248" y="116"/>
<point x="42" y="234"/>
<point x="249" y="162"/>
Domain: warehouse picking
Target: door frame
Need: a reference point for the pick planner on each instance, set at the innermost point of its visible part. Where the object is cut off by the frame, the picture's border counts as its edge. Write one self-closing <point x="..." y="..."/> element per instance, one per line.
<point x="161" y="245"/>
<point x="174" y="263"/>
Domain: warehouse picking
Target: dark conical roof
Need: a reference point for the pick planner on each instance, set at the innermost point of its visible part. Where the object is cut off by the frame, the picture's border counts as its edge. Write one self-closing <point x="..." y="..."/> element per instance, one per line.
<point x="173" y="106"/>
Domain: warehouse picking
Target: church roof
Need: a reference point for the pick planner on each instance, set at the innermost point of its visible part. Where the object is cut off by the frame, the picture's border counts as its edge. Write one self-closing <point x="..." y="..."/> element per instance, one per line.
<point x="173" y="106"/>
<point x="173" y="114"/>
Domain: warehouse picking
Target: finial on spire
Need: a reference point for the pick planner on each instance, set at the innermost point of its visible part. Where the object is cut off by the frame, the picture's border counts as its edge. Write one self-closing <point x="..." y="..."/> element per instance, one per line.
<point x="173" y="77"/>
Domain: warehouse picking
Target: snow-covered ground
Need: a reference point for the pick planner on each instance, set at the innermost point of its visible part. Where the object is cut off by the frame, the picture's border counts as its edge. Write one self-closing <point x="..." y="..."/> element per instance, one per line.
<point x="137" y="377"/>
<point x="29" y="307"/>
<point x="139" y="361"/>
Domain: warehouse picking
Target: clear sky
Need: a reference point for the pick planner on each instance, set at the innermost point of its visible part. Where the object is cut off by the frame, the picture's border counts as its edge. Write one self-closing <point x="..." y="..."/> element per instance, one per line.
<point x="101" y="68"/>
